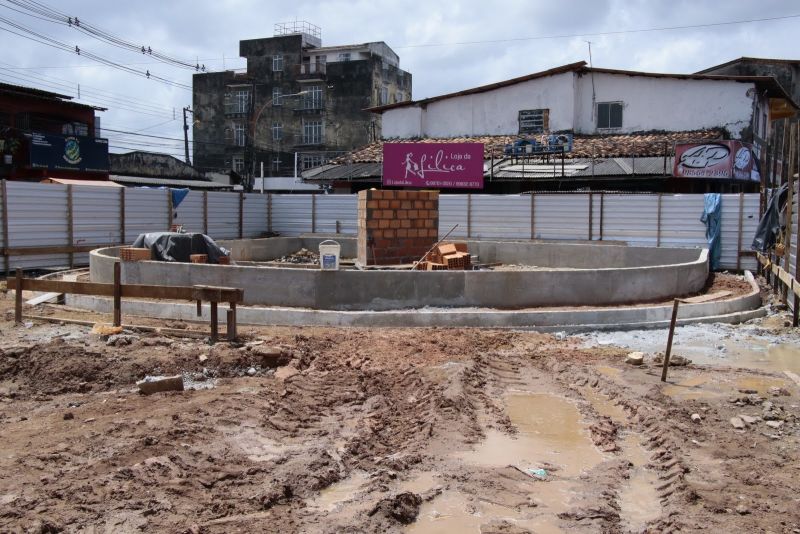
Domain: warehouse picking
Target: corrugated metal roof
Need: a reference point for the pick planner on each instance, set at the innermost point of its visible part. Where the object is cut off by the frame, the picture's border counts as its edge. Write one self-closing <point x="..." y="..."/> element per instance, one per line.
<point x="192" y="184"/>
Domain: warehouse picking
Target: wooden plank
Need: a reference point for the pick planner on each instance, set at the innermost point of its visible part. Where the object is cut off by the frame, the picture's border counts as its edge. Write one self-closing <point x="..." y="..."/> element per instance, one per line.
<point x="708" y="297"/>
<point x="214" y="323"/>
<point x="41" y="299"/>
<point x="4" y="199"/>
<point x="220" y="294"/>
<point x="58" y="249"/>
<point x="785" y="277"/>
<point x="70" y="226"/>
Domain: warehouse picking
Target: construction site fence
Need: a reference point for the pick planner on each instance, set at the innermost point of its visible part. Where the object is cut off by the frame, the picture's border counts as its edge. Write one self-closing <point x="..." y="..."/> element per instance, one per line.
<point x="51" y="225"/>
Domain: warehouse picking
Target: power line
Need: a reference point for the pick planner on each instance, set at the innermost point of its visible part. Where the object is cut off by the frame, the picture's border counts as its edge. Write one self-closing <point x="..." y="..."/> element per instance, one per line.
<point x="43" y="12"/>
<point x="54" y="43"/>
<point x="593" y="34"/>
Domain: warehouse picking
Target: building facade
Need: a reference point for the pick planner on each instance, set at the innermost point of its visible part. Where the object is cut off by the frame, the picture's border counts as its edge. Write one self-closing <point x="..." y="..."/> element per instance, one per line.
<point x="45" y="135"/>
<point x="297" y="104"/>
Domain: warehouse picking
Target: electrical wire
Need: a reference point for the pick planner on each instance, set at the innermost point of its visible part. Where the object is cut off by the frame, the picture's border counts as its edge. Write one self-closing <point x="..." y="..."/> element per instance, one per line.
<point x="43" y="12"/>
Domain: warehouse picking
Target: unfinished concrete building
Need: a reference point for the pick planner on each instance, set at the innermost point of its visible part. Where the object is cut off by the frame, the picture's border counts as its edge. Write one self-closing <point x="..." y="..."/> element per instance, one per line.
<point x="296" y="105"/>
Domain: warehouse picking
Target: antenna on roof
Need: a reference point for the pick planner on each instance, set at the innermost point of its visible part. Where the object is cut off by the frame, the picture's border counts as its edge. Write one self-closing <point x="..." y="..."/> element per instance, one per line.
<point x="594" y="98"/>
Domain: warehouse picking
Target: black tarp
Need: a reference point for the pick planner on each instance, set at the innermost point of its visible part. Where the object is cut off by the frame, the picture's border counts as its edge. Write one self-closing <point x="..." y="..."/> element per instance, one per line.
<point x="174" y="246"/>
<point x="772" y="222"/>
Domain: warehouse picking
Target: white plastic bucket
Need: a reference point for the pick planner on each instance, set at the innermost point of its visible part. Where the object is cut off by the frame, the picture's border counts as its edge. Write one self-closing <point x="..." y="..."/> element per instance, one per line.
<point x="329" y="255"/>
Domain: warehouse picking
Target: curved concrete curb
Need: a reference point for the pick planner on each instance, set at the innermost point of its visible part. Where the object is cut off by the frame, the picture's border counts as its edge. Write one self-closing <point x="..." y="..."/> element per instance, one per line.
<point x="619" y="318"/>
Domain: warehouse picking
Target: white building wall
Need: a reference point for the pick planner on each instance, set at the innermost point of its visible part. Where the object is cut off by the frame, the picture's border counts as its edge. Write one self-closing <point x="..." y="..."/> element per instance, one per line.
<point x="669" y="104"/>
<point x="489" y="113"/>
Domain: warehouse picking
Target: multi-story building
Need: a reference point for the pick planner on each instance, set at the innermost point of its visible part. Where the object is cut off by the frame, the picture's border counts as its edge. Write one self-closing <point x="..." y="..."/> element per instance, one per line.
<point x="296" y="105"/>
<point x="46" y="135"/>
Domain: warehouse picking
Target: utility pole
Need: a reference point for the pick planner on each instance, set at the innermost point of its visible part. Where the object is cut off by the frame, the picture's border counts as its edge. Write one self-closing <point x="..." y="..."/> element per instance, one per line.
<point x="186" y="133"/>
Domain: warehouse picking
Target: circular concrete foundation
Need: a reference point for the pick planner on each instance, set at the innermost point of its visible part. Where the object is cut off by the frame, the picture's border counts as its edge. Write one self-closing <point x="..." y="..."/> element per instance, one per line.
<point x="558" y="274"/>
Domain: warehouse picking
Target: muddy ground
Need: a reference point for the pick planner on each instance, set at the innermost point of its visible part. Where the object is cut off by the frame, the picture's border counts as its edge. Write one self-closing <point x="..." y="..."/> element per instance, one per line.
<point x="395" y="430"/>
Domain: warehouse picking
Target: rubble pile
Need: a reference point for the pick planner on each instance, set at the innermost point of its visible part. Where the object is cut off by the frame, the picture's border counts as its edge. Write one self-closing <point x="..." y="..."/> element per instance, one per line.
<point x="302" y="256"/>
<point x="446" y="257"/>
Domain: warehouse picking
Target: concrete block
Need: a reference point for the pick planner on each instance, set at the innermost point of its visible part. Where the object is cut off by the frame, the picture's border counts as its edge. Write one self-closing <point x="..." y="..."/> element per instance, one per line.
<point x="157" y="384"/>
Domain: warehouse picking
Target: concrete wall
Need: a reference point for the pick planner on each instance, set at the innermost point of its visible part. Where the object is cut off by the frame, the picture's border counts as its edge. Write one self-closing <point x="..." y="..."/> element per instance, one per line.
<point x="385" y="290"/>
<point x="665" y="103"/>
<point x="649" y="103"/>
<point x="490" y="113"/>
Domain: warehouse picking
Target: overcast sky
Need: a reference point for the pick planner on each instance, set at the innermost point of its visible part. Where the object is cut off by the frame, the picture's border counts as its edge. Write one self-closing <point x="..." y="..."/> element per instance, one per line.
<point x="436" y="42"/>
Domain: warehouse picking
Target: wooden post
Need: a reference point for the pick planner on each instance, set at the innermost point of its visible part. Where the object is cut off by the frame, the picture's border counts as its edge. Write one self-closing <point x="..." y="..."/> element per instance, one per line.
<point x="739" y="236"/>
<point x="6" y="243"/>
<point x="602" y="211"/>
<point x="214" y="324"/>
<point x="469" y="215"/>
<point x="789" y="207"/>
<point x="269" y="212"/>
<point x="241" y="215"/>
<point x="669" y="339"/>
<point x="205" y="212"/>
<point x="313" y="213"/>
<point x="122" y="216"/>
<point x="169" y="209"/>
<point x="232" y="322"/>
<point x="117" y="293"/>
<point x="70" y="226"/>
<point x="18" y="298"/>
<point x="658" y="221"/>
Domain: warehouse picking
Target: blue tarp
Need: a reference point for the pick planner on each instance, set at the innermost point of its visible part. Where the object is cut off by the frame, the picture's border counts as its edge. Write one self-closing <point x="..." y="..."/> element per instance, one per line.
<point x="712" y="217"/>
<point x="178" y="195"/>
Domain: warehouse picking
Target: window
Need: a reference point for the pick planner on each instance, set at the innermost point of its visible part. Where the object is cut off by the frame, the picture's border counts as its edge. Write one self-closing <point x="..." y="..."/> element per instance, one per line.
<point x="313" y="99"/>
<point x="344" y="56"/>
<point x="309" y="161"/>
<point x="277" y="98"/>
<point x="312" y="132"/>
<point x="237" y="164"/>
<point x="534" y="120"/>
<point x="238" y="134"/>
<point x="277" y="131"/>
<point x="384" y="95"/>
<point x="276" y="164"/>
<point x="237" y="101"/>
<point x="609" y="115"/>
<point x="277" y="63"/>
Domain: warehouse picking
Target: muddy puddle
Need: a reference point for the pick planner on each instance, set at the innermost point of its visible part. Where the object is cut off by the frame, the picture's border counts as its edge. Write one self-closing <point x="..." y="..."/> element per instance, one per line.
<point x="551" y="432"/>
<point x="455" y="512"/>
<point x="333" y="496"/>
<point x="708" y="386"/>
<point x="716" y="344"/>
<point x="638" y="498"/>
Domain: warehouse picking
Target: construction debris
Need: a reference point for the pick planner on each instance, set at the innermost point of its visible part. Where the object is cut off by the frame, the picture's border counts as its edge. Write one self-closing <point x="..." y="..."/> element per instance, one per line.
<point x="157" y="384"/>
<point x="447" y="257"/>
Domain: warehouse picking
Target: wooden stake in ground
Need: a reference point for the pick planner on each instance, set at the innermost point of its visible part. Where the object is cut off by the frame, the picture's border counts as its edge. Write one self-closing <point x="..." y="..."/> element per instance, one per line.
<point x="669" y="339"/>
<point x="18" y="298"/>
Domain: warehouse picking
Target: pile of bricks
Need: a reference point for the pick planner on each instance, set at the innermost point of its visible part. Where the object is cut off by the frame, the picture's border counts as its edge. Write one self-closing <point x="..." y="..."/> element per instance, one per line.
<point x="396" y="227"/>
<point x="198" y="258"/>
<point x="447" y="256"/>
<point x="134" y="254"/>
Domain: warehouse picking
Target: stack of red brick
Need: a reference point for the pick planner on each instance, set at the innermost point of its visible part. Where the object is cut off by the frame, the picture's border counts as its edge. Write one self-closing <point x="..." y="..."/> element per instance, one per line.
<point x="447" y="256"/>
<point x="396" y="227"/>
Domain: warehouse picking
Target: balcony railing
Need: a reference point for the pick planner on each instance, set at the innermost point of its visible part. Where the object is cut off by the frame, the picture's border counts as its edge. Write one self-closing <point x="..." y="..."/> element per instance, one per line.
<point x="311" y="71"/>
<point x="309" y="104"/>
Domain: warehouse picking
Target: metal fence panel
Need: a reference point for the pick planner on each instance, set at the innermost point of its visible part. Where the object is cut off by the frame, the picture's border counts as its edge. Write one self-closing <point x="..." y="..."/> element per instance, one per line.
<point x="291" y="214"/>
<point x="561" y="217"/>
<point x="453" y="211"/>
<point x="189" y="213"/>
<point x="37" y="217"/>
<point x="680" y="221"/>
<point x="336" y="212"/>
<point x="631" y="218"/>
<point x="146" y="210"/>
<point x="96" y="218"/>
<point x="500" y="216"/>
<point x="223" y="215"/>
<point x="254" y="218"/>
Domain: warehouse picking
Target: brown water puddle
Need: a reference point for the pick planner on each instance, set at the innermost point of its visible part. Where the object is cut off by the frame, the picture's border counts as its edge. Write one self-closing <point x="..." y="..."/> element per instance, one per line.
<point x="604" y="405"/>
<point x="345" y="490"/>
<point x="551" y="430"/>
<point x="638" y="499"/>
<point x="455" y="512"/>
<point x="611" y="372"/>
<point x="757" y="354"/>
<point x="708" y="386"/>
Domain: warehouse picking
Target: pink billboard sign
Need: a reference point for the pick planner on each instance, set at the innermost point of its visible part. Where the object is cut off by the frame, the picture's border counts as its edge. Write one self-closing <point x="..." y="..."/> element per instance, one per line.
<point x="433" y="165"/>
